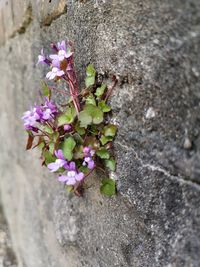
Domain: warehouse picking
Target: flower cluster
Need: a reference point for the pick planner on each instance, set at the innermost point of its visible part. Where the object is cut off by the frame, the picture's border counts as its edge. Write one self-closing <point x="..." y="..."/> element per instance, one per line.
<point x="39" y="114"/>
<point x="78" y="139"/>
<point x="88" y="154"/>
<point x="72" y="175"/>
<point x="62" y="67"/>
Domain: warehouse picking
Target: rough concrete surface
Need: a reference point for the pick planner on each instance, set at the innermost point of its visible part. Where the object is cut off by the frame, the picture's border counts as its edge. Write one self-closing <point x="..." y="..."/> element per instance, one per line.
<point x="7" y="256"/>
<point x="153" y="47"/>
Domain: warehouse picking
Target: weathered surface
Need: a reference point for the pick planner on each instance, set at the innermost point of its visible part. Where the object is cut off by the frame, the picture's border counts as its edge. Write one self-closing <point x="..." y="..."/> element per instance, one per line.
<point x="7" y="257"/>
<point x="153" y="47"/>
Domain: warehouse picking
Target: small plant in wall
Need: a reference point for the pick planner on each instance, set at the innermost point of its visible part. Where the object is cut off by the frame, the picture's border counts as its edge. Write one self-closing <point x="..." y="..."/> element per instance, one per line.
<point x="76" y="139"/>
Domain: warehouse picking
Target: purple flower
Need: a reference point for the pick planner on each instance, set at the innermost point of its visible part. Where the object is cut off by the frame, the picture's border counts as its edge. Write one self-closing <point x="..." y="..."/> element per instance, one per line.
<point x="54" y="166"/>
<point x="61" y="46"/>
<point x="62" y="54"/>
<point x="59" y="163"/>
<point x="55" y="72"/>
<point x="42" y="59"/>
<point x="47" y="114"/>
<point x="72" y="176"/>
<point x="30" y="119"/>
<point x="59" y="154"/>
<point x="63" y="51"/>
<point x="49" y="110"/>
<point x="46" y="111"/>
<point x="89" y="162"/>
<point x="88" y="154"/>
<point x="39" y="114"/>
<point x="67" y="127"/>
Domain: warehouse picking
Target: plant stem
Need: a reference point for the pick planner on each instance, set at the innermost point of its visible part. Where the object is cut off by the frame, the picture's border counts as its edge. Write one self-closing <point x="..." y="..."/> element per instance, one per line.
<point x="73" y="93"/>
<point x="111" y="88"/>
<point x="46" y="134"/>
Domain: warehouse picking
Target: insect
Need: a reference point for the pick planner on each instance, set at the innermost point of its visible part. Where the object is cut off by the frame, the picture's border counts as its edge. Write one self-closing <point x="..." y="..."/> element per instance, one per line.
<point x="49" y="1"/>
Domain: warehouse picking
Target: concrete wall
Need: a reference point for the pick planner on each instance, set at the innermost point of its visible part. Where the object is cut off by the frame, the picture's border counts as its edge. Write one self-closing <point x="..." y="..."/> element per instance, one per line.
<point x="153" y="47"/>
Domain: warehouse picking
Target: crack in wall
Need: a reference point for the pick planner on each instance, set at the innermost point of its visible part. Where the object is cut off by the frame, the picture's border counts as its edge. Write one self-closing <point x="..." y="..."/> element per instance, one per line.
<point x="154" y="168"/>
<point x="60" y="10"/>
<point x="28" y="17"/>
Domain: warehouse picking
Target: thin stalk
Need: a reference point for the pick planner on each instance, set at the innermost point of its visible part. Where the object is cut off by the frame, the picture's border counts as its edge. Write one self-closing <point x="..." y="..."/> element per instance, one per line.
<point x="111" y="88"/>
<point x="73" y="95"/>
<point x="49" y="124"/>
<point x="43" y="132"/>
<point x="88" y="174"/>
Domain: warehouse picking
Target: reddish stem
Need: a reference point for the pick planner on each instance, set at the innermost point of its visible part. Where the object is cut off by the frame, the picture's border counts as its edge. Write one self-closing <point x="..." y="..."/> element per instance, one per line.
<point x="49" y="124"/>
<point x="88" y="174"/>
<point x="111" y="88"/>
<point x="43" y="132"/>
<point x="73" y="93"/>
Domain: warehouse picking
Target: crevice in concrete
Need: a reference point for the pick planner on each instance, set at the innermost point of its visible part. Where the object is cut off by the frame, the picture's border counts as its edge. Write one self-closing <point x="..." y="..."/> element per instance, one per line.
<point x="28" y="17"/>
<point x="160" y="169"/>
<point x="55" y="15"/>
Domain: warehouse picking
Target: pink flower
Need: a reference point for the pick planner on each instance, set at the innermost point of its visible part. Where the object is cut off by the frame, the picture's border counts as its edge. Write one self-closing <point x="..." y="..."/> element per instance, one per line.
<point x="72" y="176"/>
<point x="59" y="163"/>
<point x="88" y="154"/>
<point x="55" y="72"/>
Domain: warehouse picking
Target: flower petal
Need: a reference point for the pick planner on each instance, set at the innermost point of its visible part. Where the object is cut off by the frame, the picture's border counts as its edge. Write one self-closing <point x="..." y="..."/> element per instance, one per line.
<point x="53" y="166"/>
<point x="79" y="176"/>
<point x="59" y="154"/>
<point x="91" y="164"/>
<point x="60" y="73"/>
<point x="71" y="181"/>
<point x="62" y="178"/>
<point x="72" y="166"/>
<point x="55" y="57"/>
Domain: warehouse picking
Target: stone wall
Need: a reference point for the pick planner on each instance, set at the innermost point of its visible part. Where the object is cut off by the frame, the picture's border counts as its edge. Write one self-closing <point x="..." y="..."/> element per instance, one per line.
<point x="153" y="48"/>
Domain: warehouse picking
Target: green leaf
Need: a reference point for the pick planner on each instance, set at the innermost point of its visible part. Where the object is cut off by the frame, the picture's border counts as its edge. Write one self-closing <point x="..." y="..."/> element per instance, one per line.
<point x="90" y="100"/>
<point x="105" y="139"/>
<point x="108" y="187"/>
<point x="103" y="153"/>
<point x="51" y="147"/>
<point x="67" y="117"/>
<point x="90" y="70"/>
<point x="89" y="81"/>
<point x="60" y="170"/>
<point x="48" y="157"/>
<point x="100" y="90"/>
<point x="83" y="169"/>
<point x="67" y="147"/>
<point x="55" y="136"/>
<point x="69" y="188"/>
<point x="111" y="164"/>
<point x="79" y="129"/>
<point x="47" y="129"/>
<point x="110" y="130"/>
<point x="78" y="139"/>
<point x="90" y="114"/>
<point x="85" y="118"/>
<point x="41" y="145"/>
<point x="93" y="129"/>
<point x="45" y="90"/>
<point x="104" y="107"/>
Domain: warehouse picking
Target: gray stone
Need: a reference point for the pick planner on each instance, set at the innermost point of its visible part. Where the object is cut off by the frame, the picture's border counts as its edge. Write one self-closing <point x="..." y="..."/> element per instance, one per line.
<point x="153" y="48"/>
